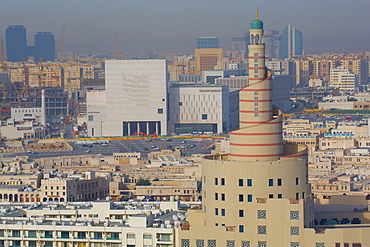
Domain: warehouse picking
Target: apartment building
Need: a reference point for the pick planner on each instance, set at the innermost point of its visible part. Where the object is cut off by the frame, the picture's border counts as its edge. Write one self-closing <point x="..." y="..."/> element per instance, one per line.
<point x="90" y="224"/>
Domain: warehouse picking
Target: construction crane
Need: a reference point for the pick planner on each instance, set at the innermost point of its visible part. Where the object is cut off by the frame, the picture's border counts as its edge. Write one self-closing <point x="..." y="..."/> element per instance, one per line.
<point x="61" y="44"/>
<point x="118" y="54"/>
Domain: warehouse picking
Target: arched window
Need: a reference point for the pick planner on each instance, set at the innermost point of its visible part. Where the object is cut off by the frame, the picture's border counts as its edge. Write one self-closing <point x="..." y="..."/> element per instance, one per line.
<point x="257" y="38"/>
<point x="252" y="39"/>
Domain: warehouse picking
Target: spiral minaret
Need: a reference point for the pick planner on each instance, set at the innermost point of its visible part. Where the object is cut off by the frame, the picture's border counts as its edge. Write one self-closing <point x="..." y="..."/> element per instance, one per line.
<point x="260" y="133"/>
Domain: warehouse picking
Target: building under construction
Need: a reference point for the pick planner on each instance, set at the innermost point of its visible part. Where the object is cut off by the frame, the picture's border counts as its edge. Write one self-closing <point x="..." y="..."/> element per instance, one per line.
<point x="56" y="100"/>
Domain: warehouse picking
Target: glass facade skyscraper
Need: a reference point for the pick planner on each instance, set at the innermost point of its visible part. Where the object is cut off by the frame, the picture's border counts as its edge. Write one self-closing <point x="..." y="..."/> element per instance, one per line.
<point x="207" y="42"/>
<point x="292" y="42"/>
<point x="44" y="47"/>
<point x="16" y="43"/>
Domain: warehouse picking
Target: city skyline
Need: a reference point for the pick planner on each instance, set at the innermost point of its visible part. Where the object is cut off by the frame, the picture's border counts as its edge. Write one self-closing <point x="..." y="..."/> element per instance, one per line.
<point x="175" y="26"/>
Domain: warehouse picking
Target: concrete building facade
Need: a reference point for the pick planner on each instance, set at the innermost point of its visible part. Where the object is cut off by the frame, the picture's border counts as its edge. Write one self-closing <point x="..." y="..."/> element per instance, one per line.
<point x="198" y="108"/>
<point x="134" y="100"/>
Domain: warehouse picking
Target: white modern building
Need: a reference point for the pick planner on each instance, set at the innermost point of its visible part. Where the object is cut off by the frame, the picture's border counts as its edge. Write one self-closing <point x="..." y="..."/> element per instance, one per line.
<point x="343" y="79"/>
<point x="198" y="108"/>
<point x="134" y="100"/>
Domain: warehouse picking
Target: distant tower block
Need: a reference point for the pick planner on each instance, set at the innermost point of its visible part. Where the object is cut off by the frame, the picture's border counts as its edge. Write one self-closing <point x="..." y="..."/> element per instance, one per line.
<point x="260" y="133"/>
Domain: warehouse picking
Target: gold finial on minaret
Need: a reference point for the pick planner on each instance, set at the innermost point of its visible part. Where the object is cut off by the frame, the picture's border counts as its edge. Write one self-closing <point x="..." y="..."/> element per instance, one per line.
<point x="257" y="14"/>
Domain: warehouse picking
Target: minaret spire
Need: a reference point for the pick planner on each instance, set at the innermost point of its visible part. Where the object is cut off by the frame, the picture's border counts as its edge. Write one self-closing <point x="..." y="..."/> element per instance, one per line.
<point x="260" y="133"/>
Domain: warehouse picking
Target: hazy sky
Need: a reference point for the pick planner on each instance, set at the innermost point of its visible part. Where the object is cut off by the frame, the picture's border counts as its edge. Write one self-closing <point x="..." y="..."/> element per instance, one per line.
<point x="174" y="25"/>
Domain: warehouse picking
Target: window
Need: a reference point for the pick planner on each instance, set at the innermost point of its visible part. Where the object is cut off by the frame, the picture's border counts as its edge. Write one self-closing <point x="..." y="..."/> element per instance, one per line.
<point x="297" y="196"/>
<point x="48" y="234"/>
<point x="255" y="71"/>
<point x="216" y="211"/>
<point x="48" y="244"/>
<point x="32" y="234"/>
<point x="241" y="213"/>
<point x="160" y="111"/>
<point x="255" y="114"/>
<point x="130" y="235"/>
<point x="249" y="182"/>
<point x="241" y="198"/>
<point x="98" y="235"/>
<point x="64" y="234"/>
<point x="241" y="182"/>
<point x="249" y="198"/>
<point x="271" y="195"/>
<point x="280" y="182"/>
<point x="256" y="66"/>
<point x="216" y="181"/>
<point x="255" y="98"/>
<point x="261" y="230"/>
<point x="297" y="181"/>
<point x="81" y="235"/>
<point x="255" y="92"/>
<point x="280" y="196"/>
<point x="90" y="118"/>
<point x="223" y="197"/>
<point x="241" y="228"/>
<point x="180" y="103"/>
<point x="147" y="236"/>
<point x="164" y="237"/>
<point x="16" y="233"/>
<point x="261" y="214"/>
<point x="255" y="103"/>
<point x="223" y="212"/>
<point x="216" y="196"/>
<point x="204" y="116"/>
<point x="31" y="243"/>
<point x="255" y="76"/>
<point x="114" y="235"/>
<point x="271" y="182"/>
<point x="256" y="60"/>
<point x="222" y="181"/>
<point x="294" y="230"/>
<point x="256" y="55"/>
<point x="256" y="109"/>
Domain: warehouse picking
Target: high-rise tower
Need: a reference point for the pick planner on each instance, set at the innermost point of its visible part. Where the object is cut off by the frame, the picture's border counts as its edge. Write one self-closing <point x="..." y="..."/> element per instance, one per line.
<point x="207" y="42"/>
<point x="44" y="47"/>
<point x="16" y="43"/>
<point x="292" y="42"/>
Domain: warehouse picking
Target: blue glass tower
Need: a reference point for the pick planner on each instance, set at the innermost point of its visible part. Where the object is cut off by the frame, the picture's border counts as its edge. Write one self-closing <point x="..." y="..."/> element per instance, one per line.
<point x="16" y="43"/>
<point x="44" y="47"/>
<point x="207" y="42"/>
<point x="292" y="42"/>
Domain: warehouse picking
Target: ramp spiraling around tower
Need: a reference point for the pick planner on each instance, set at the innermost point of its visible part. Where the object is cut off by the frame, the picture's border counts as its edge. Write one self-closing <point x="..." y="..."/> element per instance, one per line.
<point x="260" y="133"/>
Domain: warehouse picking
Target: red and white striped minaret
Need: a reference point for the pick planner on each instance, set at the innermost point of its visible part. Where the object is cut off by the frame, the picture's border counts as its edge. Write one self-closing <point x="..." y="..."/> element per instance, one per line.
<point x="260" y="133"/>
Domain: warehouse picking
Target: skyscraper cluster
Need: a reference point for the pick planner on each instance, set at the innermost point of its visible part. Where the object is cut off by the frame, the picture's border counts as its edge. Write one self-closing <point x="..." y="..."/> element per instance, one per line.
<point x="18" y="51"/>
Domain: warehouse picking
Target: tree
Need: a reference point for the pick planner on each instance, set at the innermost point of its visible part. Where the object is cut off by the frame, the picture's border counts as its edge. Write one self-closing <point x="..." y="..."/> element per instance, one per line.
<point x="143" y="182"/>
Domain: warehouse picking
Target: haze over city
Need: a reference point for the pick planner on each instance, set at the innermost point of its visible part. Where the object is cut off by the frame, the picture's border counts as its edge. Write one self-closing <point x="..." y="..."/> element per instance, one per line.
<point x="173" y="26"/>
